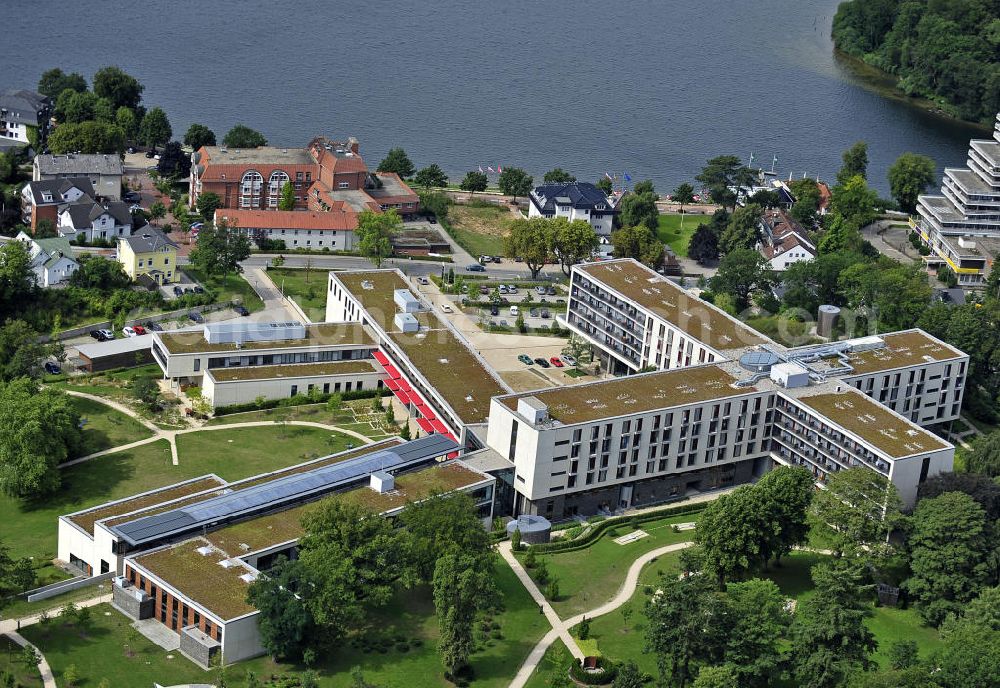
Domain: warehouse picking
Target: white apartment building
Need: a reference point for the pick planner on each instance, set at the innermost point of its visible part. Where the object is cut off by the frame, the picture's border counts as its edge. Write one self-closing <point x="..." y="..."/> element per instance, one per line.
<point x="574" y="201"/>
<point x="21" y="113"/>
<point x="962" y="223"/>
<point x="239" y="362"/>
<point x="105" y="171"/>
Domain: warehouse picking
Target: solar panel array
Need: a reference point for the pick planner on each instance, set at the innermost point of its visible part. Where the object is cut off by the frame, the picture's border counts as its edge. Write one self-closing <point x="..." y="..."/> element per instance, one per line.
<point x="280" y="491"/>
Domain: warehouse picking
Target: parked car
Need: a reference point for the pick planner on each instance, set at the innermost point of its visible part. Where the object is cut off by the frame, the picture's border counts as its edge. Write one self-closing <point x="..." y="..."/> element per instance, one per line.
<point x="494" y="309"/>
<point x="52" y="368"/>
<point x="132" y="197"/>
<point x="540" y="290"/>
<point x="422" y="280"/>
<point x="475" y="267"/>
<point x="135" y="208"/>
<point x="241" y="310"/>
<point x="150" y="154"/>
<point x="533" y="312"/>
<point x="511" y="288"/>
<point x="96" y="334"/>
<point x="198" y="289"/>
<point x="106" y="335"/>
<point x="485" y="259"/>
<point x="139" y="330"/>
<point x="129" y="331"/>
<point x="496" y="259"/>
<point x="556" y="362"/>
<point x="196" y="316"/>
<point x="447" y="308"/>
<point x="153" y="326"/>
<point x="525" y="359"/>
<point x="178" y="291"/>
<point x="514" y="311"/>
<point x="542" y="362"/>
<point x="502" y="289"/>
<point x="503" y="323"/>
<point x="550" y="291"/>
<point x="432" y="219"/>
<point x="545" y="314"/>
<point x="484" y="290"/>
<point x="570" y="360"/>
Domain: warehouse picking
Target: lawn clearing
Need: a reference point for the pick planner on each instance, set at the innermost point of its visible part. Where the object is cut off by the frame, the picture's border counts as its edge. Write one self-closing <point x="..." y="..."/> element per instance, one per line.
<point x="10" y="662"/>
<point x="891" y="625"/>
<point x="675" y="231"/>
<point x="105" y="427"/>
<point x="306" y="286"/>
<point x="479" y="229"/>
<point x="229" y="288"/>
<point x="591" y="576"/>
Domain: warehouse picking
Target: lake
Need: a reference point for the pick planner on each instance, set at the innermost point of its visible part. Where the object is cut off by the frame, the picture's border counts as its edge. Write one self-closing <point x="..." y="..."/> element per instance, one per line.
<point x="648" y="87"/>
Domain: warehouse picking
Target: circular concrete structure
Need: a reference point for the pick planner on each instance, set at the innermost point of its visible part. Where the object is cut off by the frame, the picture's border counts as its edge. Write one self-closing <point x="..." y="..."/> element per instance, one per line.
<point x="758" y="361"/>
<point x="535" y="530"/>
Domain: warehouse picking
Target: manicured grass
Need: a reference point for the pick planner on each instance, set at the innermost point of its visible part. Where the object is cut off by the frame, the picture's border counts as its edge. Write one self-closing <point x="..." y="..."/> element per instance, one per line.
<point x="408" y="617"/>
<point x="891" y="625"/>
<point x="478" y="228"/>
<point x="314" y="413"/>
<point x="229" y="288"/>
<point x="21" y="607"/>
<point x="551" y="671"/>
<point x="105" y="427"/>
<point x="10" y="662"/>
<point x="242" y="452"/>
<point x="671" y="232"/>
<point x="589" y="577"/>
<point x="307" y="287"/>
<point x="114" y="384"/>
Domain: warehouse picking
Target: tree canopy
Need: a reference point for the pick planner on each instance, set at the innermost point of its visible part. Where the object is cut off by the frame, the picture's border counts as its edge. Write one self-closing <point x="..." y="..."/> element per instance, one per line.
<point x="860" y="505"/>
<point x="530" y="240"/>
<point x="220" y="249"/>
<point x="474" y="181"/>
<point x="743" y="230"/>
<point x="639" y="209"/>
<point x="640" y="243"/>
<point x="242" y="136"/>
<point x="742" y="273"/>
<point x="118" y="87"/>
<point x="174" y="162"/>
<point x="55" y="81"/>
<point x="198" y="135"/>
<point x="855" y="163"/>
<point x="558" y="176"/>
<point x="374" y="234"/>
<point x="515" y="182"/>
<point x="155" y="128"/>
<point x="397" y="161"/>
<point x="572" y="242"/>
<point x="909" y="177"/>
<point x="431" y="176"/>
<point x="87" y="137"/>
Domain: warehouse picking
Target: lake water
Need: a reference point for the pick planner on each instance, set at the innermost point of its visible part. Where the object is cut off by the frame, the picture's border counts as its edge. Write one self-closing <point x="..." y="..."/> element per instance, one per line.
<point x="648" y="87"/>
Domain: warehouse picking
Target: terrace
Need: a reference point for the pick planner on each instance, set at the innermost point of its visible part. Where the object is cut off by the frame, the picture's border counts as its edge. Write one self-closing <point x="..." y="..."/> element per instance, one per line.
<point x="201" y="577"/>
<point x="323" y="334"/>
<point x="657" y="294"/>
<point x="635" y="394"/>
<point x="902" y="349"/>
<point x="243" y="374"/>
<point x="873" y="423"/>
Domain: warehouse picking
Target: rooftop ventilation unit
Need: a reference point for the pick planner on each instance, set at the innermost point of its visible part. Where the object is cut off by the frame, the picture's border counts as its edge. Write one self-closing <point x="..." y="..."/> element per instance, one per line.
<point x="866" y="344"/>
<point x="382" y="482"/>
<point x="405" y="322"/>
<point x="248" y="577"/>
<point x="367" y="284"/>
<point x="406" y="301"/>
<point x="532" y="409"/>
<point x="758" y="361"/>
<point x="790" y="375"/>
<point x="204" y="550"/>
<point x="229" y="563"/>
<point x="230" y="332"/>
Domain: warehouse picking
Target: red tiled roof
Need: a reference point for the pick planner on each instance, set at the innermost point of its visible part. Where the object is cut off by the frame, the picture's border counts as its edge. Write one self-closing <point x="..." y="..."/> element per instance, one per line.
<point x="339" y="218"/>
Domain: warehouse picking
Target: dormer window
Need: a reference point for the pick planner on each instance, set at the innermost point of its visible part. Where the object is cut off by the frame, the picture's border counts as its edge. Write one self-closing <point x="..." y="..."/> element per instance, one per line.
<point x="47" y="197"/>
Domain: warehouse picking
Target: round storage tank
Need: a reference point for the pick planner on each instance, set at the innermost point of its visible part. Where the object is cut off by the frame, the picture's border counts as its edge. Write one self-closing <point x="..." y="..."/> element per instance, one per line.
<point x="827" y="319"/>
<point x="758" y="361"/>
<point x="535" y="530"/>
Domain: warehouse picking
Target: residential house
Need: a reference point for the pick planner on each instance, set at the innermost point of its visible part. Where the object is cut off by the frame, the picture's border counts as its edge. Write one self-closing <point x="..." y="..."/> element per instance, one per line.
<point x="574" y="201"/>
<point x="148" y="255"/>
<point x="332" y="229"/>
<point x="783" y="240"/>
<point x="105" y="171"/>
<point x="52" y="259"/>
<point x="91" y="221"/>
<point x="40" y="200"/>
<point x="24" y="115"/>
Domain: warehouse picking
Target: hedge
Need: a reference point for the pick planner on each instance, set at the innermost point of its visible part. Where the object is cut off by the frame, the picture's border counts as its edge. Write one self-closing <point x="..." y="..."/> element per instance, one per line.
<point x="299" y="400"/>
<point x="610" y="671"/>
<point x="596" y="531"/>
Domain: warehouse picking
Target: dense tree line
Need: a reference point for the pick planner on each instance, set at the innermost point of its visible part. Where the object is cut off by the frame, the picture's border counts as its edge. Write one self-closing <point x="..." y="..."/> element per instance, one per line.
<point x="946" y="50"/>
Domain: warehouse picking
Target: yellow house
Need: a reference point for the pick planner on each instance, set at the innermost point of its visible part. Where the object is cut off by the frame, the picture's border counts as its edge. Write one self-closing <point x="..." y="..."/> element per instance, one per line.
<point x="149" y="252"/>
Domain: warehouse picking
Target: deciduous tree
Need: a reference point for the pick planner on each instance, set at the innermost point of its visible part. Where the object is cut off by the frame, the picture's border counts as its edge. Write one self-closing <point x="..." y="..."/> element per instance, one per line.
<point x="431" y="176"/>
<point x="861" y="506"/>
<point x="16" y="576"/>
<point x="579" y="349"/>
<point x="55" y="81"/>
<point x="174" y="163"/>
<point x="573" y="242"/>
<point x="983" y="489"/>
<point x="374" y="234"/>
<point x="703" y="246"/>
<point x="909" y="177"/>
<point x="198" y="135"/>
<point x="742" y="273"/>
<point x="396" y="160"/>
<point x="558" y="176"/>
<point x="787" y="495"/>
<point x="118" y="87"/>
<point x="155" y="128"/>
<point x="128" y="121"/>
<point x="755" y="621"/>
<point x="515" y="182"/>
<point x="21" y="354"/>
<point x="683" y="627"/>
<point x="220" y="250"/>
<point x="530" y="240"/>
<point x="286" y="624"/>
<point x="730" y="535"/>
<point x="87" y="137"/>
<point x="287" y="201"/>
<point x="208" y="202"/>
<point x="242" y="136"/>
<point x="639" y="243"/>
<point x="985" y="455"/>
<point x="605" y="185"/>
<point x="855" y="163"/>
<point x="100" y="273"/>
<point x="639" y="209"/>
<point x="443" y="524"/>
<point x="463" y="586"/>
<point x="743" y="230"/>
<point x="474" y="181"/>
<point x="683" y="195"/>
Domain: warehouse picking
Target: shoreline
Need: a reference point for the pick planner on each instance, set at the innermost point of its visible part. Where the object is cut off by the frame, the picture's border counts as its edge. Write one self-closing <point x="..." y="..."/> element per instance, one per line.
<point x="884" y="84"/>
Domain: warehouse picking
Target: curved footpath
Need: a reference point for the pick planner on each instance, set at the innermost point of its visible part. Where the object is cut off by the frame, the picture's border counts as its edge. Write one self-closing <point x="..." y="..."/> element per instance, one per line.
<point x="560" y="628"/>
<point x="171" y="435"/>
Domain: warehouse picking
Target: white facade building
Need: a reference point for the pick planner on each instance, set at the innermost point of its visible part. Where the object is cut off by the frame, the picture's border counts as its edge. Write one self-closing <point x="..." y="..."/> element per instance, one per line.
<point x="93" y="221"/>
<point x="574" y="201"/>
<point x="105" y="171"/>
<point x="52" y="260"/>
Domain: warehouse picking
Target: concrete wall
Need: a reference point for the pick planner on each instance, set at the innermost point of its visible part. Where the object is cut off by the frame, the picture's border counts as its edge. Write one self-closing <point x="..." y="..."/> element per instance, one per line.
<point x="905" y="473"/>
<point x="241" y="639"/>
<point x="74" y="541"/>
<point x="228" y="393"/>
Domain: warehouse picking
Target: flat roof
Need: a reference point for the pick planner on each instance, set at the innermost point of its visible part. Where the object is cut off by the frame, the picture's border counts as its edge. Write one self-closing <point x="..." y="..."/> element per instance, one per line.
<point x="121" y="345"/>
<point x="913" y="347"/>
<point x="243" y="373"/>
<point x="285" y="526"/>
<point x="634" y="394"/>
<point x="375" y="290"/>
<point x="657" y="294"/>
<point x="263" y="155"/>
<point x="873" y="423"/>
<point x="86" y="519"/>
<point x="202" y="578"/>
<point x="319" y="334"/>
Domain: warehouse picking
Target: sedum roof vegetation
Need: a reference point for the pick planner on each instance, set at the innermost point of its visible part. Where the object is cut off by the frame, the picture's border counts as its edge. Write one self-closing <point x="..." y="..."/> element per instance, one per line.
<point x="321" y="334"/>
<point x="326" y="368"/>
<point x="635" y="394"/>
<point x="902" y="349"/>
<point x="653" y="292"/>
<point x="201" y="578"/>
<point x="374" y="290"/>
<point x="873" y="423"/>
<point x="86" y="519"/>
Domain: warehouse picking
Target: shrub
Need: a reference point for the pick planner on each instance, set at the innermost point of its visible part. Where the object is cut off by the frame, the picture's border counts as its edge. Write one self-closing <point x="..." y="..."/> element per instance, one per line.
<point x="584" y="631"/>
<point x="530" y="560"/>
<point x="606" y="673"/>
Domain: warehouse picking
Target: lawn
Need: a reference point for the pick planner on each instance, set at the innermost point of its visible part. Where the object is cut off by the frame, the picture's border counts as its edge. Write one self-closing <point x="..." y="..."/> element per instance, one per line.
<point x="671" y="232"/>
<point x="307" y="287"/>
<point x="10" y="662"/>
<point x="589" y="577"/>
<point x="396" y="649"/>
<point x="114" y="384"/>
<point x="229" y="288"/>
<point x="242" y="452"/>
<point x="479" y="229"/>
<point x="104" y="427"/>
